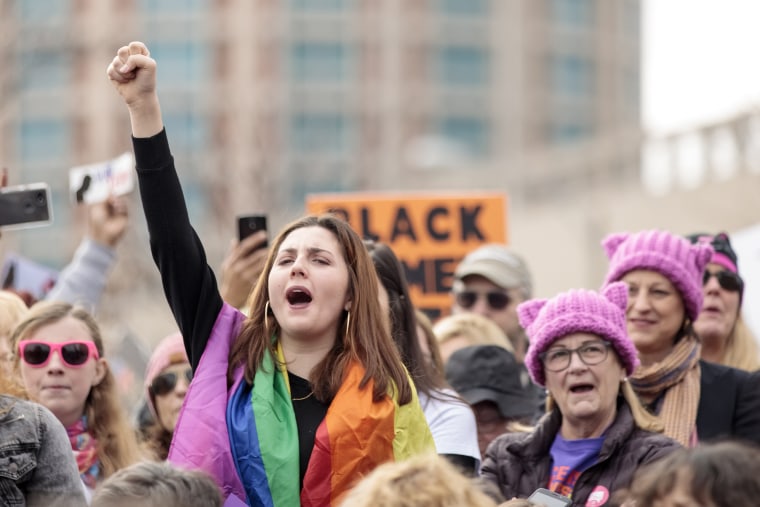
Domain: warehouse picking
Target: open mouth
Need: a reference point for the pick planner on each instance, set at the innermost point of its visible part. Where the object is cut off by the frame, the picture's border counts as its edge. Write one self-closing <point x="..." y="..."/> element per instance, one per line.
<point x="581" y="388"/>
<point x="298" y="296"/>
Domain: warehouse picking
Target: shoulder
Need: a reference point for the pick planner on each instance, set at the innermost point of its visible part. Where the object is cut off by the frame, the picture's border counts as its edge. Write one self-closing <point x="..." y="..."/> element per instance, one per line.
<point x="650" y="445"/>
<point x="712" y="372"/>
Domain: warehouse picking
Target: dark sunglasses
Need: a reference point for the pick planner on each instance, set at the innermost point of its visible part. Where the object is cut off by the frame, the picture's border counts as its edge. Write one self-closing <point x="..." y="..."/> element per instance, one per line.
<point x="74" y="354"/>
<point x="166" y="382"/>
<point x="496" y="300"/>
<point x="727" y="280"/>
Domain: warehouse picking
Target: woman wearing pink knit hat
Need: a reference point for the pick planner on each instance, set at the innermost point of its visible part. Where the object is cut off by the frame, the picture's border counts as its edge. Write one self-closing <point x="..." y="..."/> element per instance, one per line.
<point x="596" y="433"/>
<point x="167" y="378"/>
<point x="695" y="400"/>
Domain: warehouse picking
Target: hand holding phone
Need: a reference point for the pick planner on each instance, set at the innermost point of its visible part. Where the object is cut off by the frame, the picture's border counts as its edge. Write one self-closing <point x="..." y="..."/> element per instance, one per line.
<point x="547" y="498"/>
<point x="249" y="224"/>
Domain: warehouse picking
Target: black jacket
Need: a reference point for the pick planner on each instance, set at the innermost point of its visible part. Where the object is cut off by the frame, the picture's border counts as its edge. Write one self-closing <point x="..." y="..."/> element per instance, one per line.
<point x="729" y="403"/>
<point x="518" y="463"/>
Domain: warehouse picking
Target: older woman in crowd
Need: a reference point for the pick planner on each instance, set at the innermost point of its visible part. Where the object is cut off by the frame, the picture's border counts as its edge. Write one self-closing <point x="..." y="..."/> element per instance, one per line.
<point x="595" y="434"/>
<point x="726" y="339"/>
<point x="167" y="378"/>
<point x="696" y="400"/>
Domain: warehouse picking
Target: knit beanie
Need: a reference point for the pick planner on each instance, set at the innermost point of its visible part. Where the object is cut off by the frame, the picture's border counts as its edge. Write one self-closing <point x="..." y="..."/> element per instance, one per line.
<point x="577" y="311"/>
<point x="672" y="256"/>
<point x="170" y="350"/>
<point x="724" y="254"/>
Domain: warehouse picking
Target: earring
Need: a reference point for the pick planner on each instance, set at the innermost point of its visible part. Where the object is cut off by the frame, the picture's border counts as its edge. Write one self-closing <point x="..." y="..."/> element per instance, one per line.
<point x="348" y="321"/>
<point x="266" y="314"/>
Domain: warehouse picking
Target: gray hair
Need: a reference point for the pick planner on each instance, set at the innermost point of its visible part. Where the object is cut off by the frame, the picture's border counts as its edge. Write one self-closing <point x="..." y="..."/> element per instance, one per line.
<point x="153" y="484"/>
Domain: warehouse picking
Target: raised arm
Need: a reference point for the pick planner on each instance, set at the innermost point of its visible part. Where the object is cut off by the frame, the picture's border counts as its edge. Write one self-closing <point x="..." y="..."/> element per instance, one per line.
<point x="83" y="280"/>
<point x="189" y="283"/>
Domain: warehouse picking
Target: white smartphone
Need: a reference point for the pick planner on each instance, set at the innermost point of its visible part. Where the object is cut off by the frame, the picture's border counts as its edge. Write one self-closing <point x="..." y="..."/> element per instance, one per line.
<point x="24" y="206"/>
<point x="547" y="498"/>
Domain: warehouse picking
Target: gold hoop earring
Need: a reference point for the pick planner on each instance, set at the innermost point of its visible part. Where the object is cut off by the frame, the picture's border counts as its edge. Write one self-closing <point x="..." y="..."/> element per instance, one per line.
<point x="348" y="321"/>
<point x="266" y="316"/>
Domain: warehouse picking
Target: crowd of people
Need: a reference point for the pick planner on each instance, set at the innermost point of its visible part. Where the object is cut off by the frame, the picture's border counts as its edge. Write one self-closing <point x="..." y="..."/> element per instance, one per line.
<point x="307" y="376"/>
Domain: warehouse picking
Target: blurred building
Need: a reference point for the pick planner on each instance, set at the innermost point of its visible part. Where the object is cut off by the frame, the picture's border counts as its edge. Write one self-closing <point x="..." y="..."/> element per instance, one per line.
<point x="266" y="101"/>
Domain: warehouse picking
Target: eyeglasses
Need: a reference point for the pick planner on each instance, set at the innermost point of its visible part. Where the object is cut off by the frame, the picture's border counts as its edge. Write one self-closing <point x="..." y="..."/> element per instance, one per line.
<point x="728" y="280"/>
<point x="558" y="359"/>
<point x="496" y="300"/>
<point x="166" y="382"/>
<point x="74" y="354"/>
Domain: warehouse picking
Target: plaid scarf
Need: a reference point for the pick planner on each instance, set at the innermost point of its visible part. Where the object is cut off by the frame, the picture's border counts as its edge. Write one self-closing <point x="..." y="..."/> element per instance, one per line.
<point x="85" y="450"/>
<point x="673" y="385"/>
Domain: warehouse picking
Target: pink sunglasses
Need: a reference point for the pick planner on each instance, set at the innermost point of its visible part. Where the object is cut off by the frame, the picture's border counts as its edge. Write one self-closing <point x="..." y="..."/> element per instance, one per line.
<point x="74" y="354"/>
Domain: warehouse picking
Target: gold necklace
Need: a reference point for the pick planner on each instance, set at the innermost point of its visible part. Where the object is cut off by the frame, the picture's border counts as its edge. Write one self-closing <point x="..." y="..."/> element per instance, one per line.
<point x="304" y="398"/>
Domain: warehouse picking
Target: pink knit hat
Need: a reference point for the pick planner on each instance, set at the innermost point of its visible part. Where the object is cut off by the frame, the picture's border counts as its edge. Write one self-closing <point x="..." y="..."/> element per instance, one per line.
<point x="170" y="350"/>
<point x="577" y="311"/>
<point x="672" y="256"/>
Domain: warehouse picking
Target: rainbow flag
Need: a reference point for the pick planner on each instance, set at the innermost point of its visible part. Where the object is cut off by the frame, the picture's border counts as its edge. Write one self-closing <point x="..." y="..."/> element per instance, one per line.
<point x="356" y="436"/>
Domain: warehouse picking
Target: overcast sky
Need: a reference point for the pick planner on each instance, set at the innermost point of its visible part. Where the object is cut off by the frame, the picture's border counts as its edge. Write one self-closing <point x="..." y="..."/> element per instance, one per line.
<point x="701" y="61"/>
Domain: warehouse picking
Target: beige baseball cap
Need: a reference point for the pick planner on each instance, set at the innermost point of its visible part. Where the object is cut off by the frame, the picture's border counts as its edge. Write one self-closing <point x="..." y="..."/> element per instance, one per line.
<point x="498" y="264"/>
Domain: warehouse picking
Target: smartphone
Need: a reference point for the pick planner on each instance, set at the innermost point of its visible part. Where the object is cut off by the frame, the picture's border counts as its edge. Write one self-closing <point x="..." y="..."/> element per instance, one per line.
<point x="547" y="498"/>
<point x="24" y="206"/>
<point x="248" y="224"/>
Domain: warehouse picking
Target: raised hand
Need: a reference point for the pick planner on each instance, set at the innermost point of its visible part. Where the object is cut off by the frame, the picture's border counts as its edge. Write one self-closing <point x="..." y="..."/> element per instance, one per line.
<point x="133" y="74"/>
<point x="107" y="221"/>
<point x="242" y="267"/>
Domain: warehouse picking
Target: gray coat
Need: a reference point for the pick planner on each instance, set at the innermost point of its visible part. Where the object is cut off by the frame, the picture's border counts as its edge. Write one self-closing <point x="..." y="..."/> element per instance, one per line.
<point x="37" y="466"/>
<point x="519" y="463"/>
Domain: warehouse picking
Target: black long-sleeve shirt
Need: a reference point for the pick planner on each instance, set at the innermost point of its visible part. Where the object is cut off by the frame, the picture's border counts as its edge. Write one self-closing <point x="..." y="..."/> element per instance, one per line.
<point x="188" y="281"/>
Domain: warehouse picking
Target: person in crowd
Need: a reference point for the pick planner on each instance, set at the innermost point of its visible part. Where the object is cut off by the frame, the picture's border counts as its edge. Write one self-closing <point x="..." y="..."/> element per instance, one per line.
<point x="491" y="281"/>
<point x="424" y="480"/>
<point x="696" y="400"/>
<point x="167" y="378"/>
<point x="451" y="421"/>
<point x="37" y="468"/>
<point x="12" y="310"/>
<point x="62" y="364"/>
<point x="488" y="378"/>
<point x="242" y="267"/>
<point x="596" y="433"/>
<point x="429" y="343"/>
<point x="307" y="394"/>
<point x="726" y="339"/>
<point x="151" y="484"/>
<point x="455" y="332"/>
<point x="719" y="474"/>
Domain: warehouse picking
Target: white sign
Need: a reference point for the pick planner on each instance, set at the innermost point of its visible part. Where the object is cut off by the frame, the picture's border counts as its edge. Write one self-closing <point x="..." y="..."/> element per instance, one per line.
<point x="96" y="182"/>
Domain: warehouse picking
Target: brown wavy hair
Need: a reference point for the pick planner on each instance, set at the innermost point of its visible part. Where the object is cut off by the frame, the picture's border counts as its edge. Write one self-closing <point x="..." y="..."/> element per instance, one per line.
<point x="117" y="443"/>
<point x="364" y="337"/>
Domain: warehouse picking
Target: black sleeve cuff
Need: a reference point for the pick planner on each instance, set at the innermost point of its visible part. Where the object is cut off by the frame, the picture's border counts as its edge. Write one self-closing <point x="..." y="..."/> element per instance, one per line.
<point x="152" y="152"/>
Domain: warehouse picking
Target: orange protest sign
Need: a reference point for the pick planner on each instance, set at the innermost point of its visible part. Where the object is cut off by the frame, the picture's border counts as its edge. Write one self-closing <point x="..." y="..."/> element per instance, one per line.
<point x="430" y="233"/>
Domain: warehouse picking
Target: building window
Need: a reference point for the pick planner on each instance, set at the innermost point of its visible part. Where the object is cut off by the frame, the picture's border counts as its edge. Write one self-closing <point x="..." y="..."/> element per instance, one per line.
<point x="572" y="76"/>
<point x="186" y="130"/>
<point x="43" y="10"/>
<point x="319" y="61"/>
<point x="464" y="7"/>
<point x="44" y="70"/>
<point x="319" y="133"/>
<point x="573" y="12"/>
<point x="172" y="6"/>
<point x="463" y="65"/>
<point x="569" y="132"/>
<point x="43" y="139"/>
<point x="468" y="132"/>
<point x="183" y="64"/>
<point x="318" y="5"/>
